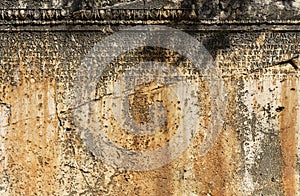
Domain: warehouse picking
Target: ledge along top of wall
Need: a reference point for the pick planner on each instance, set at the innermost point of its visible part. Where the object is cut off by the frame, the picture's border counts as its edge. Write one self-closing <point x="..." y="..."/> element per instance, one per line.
<point x="71" y="15"/>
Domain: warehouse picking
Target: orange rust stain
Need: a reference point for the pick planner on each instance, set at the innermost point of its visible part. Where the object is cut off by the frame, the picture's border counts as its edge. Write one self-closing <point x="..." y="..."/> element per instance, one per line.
<point x="212" y="174"/>
<point x="288" y="139"/>
<point x="31" y="138"/>
<point x="140" y="102"/>
<point x="216" y="171"/>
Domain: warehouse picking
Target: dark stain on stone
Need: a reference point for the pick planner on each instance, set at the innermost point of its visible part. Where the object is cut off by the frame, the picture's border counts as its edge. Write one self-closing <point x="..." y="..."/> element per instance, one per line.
<point x="279" y="109"/>
<point x="216" y="42"/>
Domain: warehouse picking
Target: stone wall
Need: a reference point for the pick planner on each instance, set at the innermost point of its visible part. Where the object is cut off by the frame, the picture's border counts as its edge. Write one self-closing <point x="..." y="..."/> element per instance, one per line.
<point x="149" y="97"/>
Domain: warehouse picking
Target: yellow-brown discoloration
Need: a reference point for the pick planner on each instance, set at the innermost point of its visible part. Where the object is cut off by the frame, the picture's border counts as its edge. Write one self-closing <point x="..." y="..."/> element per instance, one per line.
<point x="31" y="138"/>
<point x="288" y="139"/>
<point x="212" y="174"/>
<point x="216" y="171"/>
<point x="144" y="96"/>
<point x="42" y="161"/>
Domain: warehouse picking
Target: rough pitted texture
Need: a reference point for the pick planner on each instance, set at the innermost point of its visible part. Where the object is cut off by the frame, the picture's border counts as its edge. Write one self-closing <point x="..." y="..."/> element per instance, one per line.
<point x="49" y="146"/>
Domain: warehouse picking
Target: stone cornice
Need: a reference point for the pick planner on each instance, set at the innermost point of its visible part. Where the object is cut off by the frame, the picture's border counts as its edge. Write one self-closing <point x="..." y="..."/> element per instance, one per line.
<point x="20" y="18"/>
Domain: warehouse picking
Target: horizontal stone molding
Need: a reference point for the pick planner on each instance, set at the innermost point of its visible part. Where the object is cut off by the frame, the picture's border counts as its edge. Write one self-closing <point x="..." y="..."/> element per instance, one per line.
<point x="21" y="17"/>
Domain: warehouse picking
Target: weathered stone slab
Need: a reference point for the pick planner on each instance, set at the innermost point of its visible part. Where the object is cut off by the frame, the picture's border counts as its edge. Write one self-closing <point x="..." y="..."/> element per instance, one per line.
<point x="168" y="98"/>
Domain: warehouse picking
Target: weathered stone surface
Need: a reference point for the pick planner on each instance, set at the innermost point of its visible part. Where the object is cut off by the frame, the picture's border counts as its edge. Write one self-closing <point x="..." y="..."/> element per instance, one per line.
<point x="218" y="12"/>
<point x="52" y="122"/>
